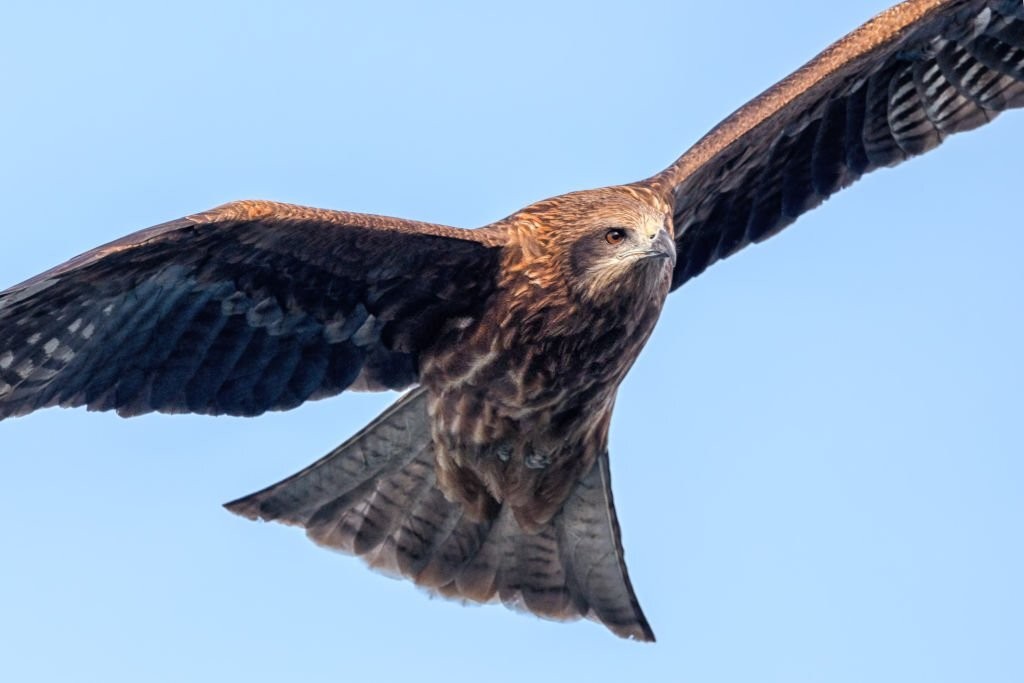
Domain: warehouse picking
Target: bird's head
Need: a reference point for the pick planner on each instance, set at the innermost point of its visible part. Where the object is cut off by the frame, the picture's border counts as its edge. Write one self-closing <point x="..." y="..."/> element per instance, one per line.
<point x="600" y="244"/>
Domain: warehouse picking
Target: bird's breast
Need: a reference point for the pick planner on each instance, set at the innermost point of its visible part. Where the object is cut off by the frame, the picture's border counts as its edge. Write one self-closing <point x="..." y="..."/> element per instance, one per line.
<point x="531" y="370"/>
<point x="520" y="402"/>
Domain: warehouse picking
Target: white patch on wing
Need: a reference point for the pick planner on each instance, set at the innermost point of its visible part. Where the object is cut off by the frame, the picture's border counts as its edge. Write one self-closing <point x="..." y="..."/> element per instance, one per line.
<point x="24" y="368"/>
<point x="266" y="313"/>
<point x="981" y="22"/>
<point x="368" y="332"/>
<point x="234" y="304"/>
<point x="335" y="332"/>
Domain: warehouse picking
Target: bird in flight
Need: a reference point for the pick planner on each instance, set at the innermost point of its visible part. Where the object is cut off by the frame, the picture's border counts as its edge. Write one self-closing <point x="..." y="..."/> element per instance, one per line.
<point x="488" y="479"/>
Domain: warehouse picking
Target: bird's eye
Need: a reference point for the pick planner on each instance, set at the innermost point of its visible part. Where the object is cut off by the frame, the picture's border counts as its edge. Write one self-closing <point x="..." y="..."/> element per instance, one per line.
<point x="615" y="236"/>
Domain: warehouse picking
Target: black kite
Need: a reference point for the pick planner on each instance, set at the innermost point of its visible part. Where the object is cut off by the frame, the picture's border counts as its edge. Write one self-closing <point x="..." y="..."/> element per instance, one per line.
<point x="489" y="478"/>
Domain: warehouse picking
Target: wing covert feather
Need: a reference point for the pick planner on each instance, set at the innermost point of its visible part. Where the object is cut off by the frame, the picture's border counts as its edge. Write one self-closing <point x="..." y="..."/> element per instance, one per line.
<point x="250" y="307"/>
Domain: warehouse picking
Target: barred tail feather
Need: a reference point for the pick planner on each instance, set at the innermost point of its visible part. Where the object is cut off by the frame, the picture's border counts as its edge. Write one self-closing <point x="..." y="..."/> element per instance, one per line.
<point x="376" y="496"/>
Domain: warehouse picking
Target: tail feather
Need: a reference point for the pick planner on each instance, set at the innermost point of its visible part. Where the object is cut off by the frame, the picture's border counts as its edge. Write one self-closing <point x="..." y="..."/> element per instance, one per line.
<point x="376" y="496"/>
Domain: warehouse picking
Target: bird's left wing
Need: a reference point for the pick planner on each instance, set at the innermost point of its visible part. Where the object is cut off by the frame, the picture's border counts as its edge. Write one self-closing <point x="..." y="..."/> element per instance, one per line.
<point x="892" y="89"/>
<point x="249" y="307"/>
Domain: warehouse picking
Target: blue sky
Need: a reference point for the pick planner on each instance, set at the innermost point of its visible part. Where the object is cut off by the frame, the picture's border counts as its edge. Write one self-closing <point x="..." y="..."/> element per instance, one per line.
<point x="816" y="460"/>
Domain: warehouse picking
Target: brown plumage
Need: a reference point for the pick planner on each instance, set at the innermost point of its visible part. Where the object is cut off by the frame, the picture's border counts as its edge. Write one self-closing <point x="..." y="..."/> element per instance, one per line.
<point x="489" y="478"/>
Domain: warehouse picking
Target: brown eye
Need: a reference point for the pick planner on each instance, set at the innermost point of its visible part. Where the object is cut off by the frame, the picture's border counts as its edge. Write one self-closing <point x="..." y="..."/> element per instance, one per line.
<point x="615" y="236"/>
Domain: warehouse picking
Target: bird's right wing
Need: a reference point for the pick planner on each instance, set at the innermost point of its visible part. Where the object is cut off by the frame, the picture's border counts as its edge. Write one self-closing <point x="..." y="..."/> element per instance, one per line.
<point x="892" y="89"/>
<point x="249" y="307"/>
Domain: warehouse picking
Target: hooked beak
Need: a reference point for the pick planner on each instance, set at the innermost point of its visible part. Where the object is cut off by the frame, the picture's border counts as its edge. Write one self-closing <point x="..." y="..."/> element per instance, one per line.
<point x="661" y="246"/>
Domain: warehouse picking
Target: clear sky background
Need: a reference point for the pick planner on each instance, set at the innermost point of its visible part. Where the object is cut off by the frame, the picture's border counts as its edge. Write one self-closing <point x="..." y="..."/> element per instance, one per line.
<point x="817" y="459"/>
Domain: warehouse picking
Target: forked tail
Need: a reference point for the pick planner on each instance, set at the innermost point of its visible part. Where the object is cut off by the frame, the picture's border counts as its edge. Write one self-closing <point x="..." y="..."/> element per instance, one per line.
<point x="376" y="496"/>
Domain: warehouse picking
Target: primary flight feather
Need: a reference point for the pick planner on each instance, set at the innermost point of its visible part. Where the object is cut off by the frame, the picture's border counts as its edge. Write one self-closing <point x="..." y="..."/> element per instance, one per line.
<point x="489" y="478"/>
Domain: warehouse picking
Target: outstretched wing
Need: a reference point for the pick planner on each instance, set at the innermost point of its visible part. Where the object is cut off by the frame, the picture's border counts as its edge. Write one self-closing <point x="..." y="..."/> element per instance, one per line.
<point x="892" y="89"/>
<point x="249" y="307"/>
<point x="376" y="496"/>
